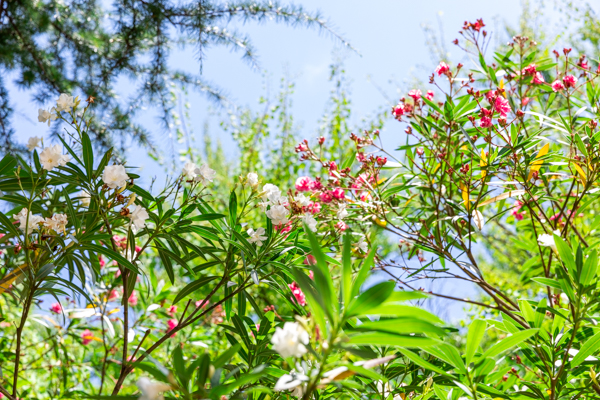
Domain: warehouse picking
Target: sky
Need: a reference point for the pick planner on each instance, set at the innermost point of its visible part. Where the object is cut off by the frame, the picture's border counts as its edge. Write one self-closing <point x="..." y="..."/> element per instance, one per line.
<point x="391" y="53"/>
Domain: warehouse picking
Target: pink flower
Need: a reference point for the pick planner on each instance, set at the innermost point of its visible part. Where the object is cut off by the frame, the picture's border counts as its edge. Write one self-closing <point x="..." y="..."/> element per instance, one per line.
<point x="56" y="308"/>
<point x="398" y="111"/>
<point x="298" y="295"/>
<point x="341" y="225"/>
<point x="338" y="193"/>
<point x="538" y="78"/>
<point x="113" y="295"/>
<point x="485" y="122"/>
<point x="172" y="310"/>
<point x="525" y="101"/>
<point x="326" y="197"/>
<point x="555" y="217"/>
<point x="311" y="275"/>
<point x="138" y="249"/>
<point x="569" y="81"/>
<point x="87" y="337"/>
<point x="101" y="261"/>
<point x="172" y="323"/>
<point x="415" y="94"/>
<point x="557" y="86"/>
<point x="303" y="184"/>
<point x="518" y="216"/>
<point x="501" y="105"/>
<point x="530" y="69"/>
<point x="201" y="303"/>
<point x="313" y="207"/>
<point x="316" y="185"/>
<point x="442" y="68"/>
<point x="133" y="299"/>
<point x="365" y="196"/>
<point x="310" y="260"/>
<point x="429" y="95"/>
<point x="283" y="229"/>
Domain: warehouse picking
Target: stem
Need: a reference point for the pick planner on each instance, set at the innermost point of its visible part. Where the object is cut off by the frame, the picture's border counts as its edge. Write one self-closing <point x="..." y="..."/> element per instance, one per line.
<point x="19" y="338"/>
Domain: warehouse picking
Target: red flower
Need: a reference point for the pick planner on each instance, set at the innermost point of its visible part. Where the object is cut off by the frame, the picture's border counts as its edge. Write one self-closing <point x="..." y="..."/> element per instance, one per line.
<point x="569" y="81"/>
<point x="303" y="184"/>
<point x="415" y="94"/>
<point x="442" y="68"/>
<point x="398" y="111"/>
<point x="557" y="86"/>
<point x="501" y="105"/>
<point x="297" y="292"/>
<point x="538" y="78"/>
<point x="87" y="337"/>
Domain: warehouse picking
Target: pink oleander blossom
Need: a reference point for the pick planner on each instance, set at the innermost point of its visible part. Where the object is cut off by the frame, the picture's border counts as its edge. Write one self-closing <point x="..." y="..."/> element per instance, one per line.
<point x="303" y="184"/>
<point x="172" y="310"/>
<point x="442" y="68"/>
<point x="338" y="193"/>
<point x="297" y="292"/>
<point x="485" y="122"/>
<point x="171" y="324"/>
<point x="398" y="111"/>
<point x="429" y="95"/>
<point x="415" y="94"/>
<point x="326" y="197"/>
<point x="557" y="86"/>
<point x="316" y="185"/>
<point x="569" y="81"/>
<point x="310" y="260"/>
<point x="502" y="106"/>
<point x="133" y="299"/>
<point x="530" y="69"/>
<point x="538" y="78"/>
<point x="341" y="225"/>
<point x="56" y="308"/>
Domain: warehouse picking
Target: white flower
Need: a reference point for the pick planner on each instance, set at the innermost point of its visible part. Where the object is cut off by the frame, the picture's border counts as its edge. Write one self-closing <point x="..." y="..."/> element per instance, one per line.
<point x="151" y="390"/>
<point x="257" y="236"/>
<point x="33" y="142"/>
<point x="138" y="218"/>
<point x="302" y="200"/>
<point x="114" y="176"/>
<point x="65" y="103"/>
<point x="293" y="380"/>
<point x="189" y="170"/>
<point x="84" y="198"/>
<point x="276" y="199"/>
<point x="342" y="212"/>
<point x="362" y="245"/>
<point x="263" y="206"/>
<point x="291" y="340"/>
<point x="57" y="223"/>
<point x="270" y="189"/>
<point x="278" y="215"/>
<point x="310" y="222"/>
<point x="28" y="221"/>
<point x="204" y="174"/>
<point x="547" y="240"/>
<point x="51" y="157"/>
<point x="47" y="116"/>
<point x="478" y="219"/>
<point x="252" y="179"/>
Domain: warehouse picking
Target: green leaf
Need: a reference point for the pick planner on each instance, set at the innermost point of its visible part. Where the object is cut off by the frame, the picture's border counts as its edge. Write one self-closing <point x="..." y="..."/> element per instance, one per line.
<point x="233" y="208"/>
<point x="476" y="331"/>
<point x="388" y="339"/>
<point x="509" y="342"/>
<point x="589" y="347"/>
<point x="363" y="272"/>
<point x="7" y="165"/>
<point x="566" y="255"/>
<point x="323" y="280"/>
<point x="346" y="281"/>
<point x="192" y="287"/>
<point x="88" y="154"/>
<point x="226" y="356"/>
<point x="425" y="364"/>
<point x="370" y="299"/>
<point x="547" y="282"/>
<point x="113" y="255"/>
<point x="405" y="325"/>
<point x="588" y="272"/>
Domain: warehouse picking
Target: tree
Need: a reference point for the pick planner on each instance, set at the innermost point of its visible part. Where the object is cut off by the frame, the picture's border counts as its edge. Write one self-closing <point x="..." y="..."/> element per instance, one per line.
<point x="85" y="47"/>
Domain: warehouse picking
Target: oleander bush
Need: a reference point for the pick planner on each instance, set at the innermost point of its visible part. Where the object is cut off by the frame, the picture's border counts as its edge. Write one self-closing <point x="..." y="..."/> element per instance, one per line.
<point x="115" y="289"/>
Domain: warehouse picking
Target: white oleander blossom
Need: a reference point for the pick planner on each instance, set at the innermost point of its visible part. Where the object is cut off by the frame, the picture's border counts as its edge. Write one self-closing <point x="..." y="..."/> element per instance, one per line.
<point x="205" y="174"/>
<point x="138" y="218"/>
<point x="84" y="198"/>
<point x="302" y="200"/>
<point x="33" y="142"/>
<point x="342" y="212"/>
<point x="270" y="190"/>
<point x="278" y="214"/>
<point x="290" y="341"/>
<point x="252" y="179"/>
<point x="189" y="170"/>
<point x="295" y="381"/>
<point x="65" y="102"/>
<point x="51" y="157"/>
<point x="114" y="176"/>
<point x="310" y="222"/>
<point x="362" y="245"/>
<point x="28" y="222"/>
<point x="257" y="236"/>
<point x="151" y="390"/>
<point x="47" y="116"/>
<point x="57" y="223"/>
<point x="547" y="240"/>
